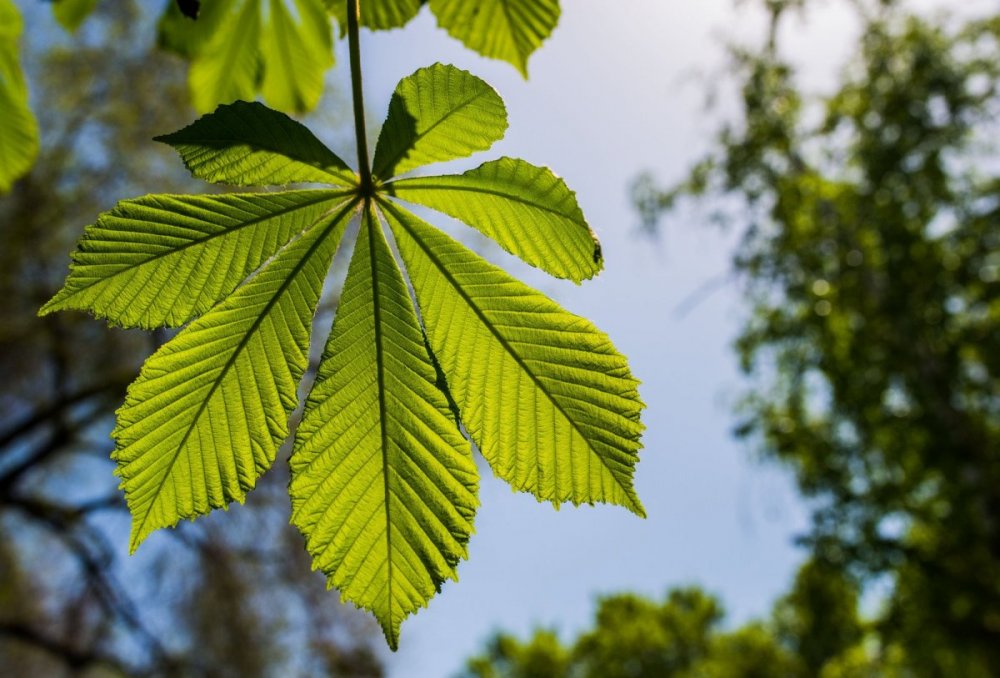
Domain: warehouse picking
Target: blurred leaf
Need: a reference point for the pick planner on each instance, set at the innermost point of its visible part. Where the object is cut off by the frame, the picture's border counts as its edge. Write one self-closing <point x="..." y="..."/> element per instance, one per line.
<point x="281" y="48"/>
<point x="71" y="13"/>
<point x="379" y="15"/>
<point x="189" y="8"/>
<point x="18" y="129"/>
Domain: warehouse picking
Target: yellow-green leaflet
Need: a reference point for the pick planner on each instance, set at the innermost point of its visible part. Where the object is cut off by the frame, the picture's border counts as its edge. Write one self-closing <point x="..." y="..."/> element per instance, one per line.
<point x="208" y="412"/>
<point x="281" y="48"/>
<point x="162" y="260"/>
<point x="18" y="129"/>
<point x="377" y="15"/>
<point x="438" y="113"/>
<point x="527" y="210"/>
<point x="502" y="29"/>
<point x="546" y="397"/>
<point x="383" y="483"/>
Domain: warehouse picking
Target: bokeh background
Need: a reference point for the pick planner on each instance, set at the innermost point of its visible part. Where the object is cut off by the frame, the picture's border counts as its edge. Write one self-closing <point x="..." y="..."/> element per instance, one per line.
<point x="801" y="513"/>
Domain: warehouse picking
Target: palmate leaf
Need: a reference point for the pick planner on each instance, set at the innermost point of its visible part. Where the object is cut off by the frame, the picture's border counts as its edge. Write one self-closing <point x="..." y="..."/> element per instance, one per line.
<point x="18" y="129"/>
<point x="282" y="48"/>
<point x="546" y="397"/>
<point x="383" y="483"/>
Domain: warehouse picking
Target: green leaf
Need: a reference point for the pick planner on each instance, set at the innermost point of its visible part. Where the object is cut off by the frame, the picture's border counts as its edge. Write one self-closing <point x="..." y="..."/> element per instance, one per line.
<point x="248" y="144"/>
<point x="528" y="210"/>
<point x="438" y="113"/>
<point x="71" y="13"/>
<point x="297" y="54"/>
<point x="501" y="29"/>
<point x="383" y="483"/>
<point x="544" y="394"/>
<point x="227" y="66"/>
<point x="165" y="259"/>
<point x="209" y="410"/>
<point x="378" y="15"/>
<point x="18" y="129"/>
<point x="282" y="47"/>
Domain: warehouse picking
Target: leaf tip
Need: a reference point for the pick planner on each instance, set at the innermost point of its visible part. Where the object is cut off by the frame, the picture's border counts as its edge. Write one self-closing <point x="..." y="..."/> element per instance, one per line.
<point x="137" y="537"/>
<point x="50" y="306"/>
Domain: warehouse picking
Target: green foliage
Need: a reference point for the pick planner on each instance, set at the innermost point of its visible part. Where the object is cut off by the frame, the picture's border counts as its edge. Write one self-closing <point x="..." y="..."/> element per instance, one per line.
<point x="281" y="48"/>
<point x="248" y="144"/>
<point x="71" y="13"/>
<point x="501" y="29"/>
<point x="682" y="637"/>
<point x="438" y="113"/>
<point x="18" y="129"/>
<point x="872" y="266"/>
<point x="509" y="30"/>
<point x="544" y="394"/>
<point x="240" y="47"/>
<point x="383" y="483"/>
<point x="527" y="210"/>
<point x="379" y="15"/>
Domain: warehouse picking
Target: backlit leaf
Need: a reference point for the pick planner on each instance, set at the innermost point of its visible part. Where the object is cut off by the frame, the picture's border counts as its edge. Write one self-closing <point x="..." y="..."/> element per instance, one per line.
<point x="528" y="210"/>
<point x="379" y="15"/>
<point x="282" y="48"/>
<point x="501" y="29"/>
<point x="438" y="113"/>
<point x="546" y="397"/>
<point x="209" y="410"/>
<point x="383" y="483"/>
<point x="71" y="13"/>
<point x="162" y="260"/>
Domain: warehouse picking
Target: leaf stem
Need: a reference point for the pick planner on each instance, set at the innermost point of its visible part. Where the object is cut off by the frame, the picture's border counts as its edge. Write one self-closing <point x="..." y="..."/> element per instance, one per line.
<point x="364" y="169"/>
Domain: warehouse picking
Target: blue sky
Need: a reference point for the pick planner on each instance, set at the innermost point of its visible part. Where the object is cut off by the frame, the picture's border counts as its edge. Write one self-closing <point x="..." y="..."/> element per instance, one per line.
<point x="611" y="94"/>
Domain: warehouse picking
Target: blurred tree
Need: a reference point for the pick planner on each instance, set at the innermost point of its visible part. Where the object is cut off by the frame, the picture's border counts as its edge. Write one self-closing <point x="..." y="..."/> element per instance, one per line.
<point x="681" y="637"/>
<point x="219" y="598"/>
<point x="871" y="260"/>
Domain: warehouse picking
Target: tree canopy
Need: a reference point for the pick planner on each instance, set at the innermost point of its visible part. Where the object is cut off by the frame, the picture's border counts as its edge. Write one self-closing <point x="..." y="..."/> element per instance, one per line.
<point x="814" y="631"/>
<point x="870" y="266"/>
